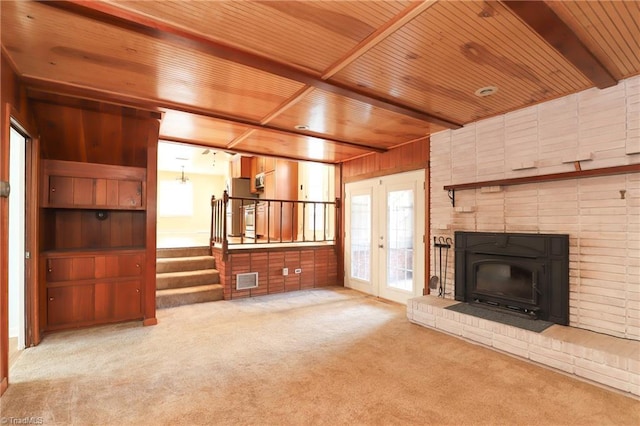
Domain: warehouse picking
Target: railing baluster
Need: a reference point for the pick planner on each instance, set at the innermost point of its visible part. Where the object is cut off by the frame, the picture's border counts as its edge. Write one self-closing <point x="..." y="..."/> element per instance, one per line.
<point x="324" y="221"/>
<point x="293" y="222"/>
<point x="268" y="222"/>
<point x="304" y="216"/>
<point x="314" y="221"/>
<point x="281" y="210"/>
<point x="219" y="224"/>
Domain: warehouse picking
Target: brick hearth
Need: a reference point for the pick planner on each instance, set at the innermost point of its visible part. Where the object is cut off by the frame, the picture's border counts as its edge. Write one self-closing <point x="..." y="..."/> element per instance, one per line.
<point x="603" y="359"/>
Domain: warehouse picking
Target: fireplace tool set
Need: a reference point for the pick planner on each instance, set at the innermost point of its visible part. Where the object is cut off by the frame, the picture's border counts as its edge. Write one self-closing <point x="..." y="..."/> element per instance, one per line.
<point x="439" y="280"/>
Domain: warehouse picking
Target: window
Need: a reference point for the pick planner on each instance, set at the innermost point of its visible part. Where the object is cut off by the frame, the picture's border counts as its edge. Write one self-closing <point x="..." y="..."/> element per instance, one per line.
<point x="175" y="198"/>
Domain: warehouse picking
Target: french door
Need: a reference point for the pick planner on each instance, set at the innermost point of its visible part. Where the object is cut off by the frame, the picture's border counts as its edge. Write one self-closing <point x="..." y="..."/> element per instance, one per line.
<point x="384" y="231"/>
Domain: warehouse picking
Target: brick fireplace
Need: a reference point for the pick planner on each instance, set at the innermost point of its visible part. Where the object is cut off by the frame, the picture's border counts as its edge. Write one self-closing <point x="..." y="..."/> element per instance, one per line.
<point x="594" y="129"/>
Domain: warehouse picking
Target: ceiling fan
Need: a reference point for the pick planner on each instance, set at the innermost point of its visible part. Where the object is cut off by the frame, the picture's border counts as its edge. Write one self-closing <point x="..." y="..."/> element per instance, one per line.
<point x="206" y="151"/>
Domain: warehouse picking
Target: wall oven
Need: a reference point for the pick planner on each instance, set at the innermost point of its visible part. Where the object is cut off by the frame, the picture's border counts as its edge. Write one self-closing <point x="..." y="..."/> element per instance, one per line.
<point x="250" y="221"/>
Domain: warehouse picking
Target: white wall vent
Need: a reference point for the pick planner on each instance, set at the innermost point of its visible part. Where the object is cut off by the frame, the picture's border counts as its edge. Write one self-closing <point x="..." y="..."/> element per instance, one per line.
<point x="246" y="281"/>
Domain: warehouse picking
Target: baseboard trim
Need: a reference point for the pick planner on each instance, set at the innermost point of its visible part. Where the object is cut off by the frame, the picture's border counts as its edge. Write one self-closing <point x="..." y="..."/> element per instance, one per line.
<point x="3" y="386"/>
<point x="150" y="321"/>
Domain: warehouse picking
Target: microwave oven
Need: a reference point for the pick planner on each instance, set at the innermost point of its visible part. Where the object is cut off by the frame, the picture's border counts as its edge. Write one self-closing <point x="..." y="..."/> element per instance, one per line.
<point x="260" y="181"/>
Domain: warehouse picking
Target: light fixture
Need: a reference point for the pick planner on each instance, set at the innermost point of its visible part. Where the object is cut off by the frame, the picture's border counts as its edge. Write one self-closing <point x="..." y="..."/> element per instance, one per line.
<point x="301" y="127"/>
<point x="486" y="91"/>
<point x="182" y="178"/>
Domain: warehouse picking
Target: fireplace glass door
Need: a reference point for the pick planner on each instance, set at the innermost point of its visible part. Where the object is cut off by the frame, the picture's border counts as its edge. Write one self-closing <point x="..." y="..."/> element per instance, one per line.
<point x="506" y="281"/>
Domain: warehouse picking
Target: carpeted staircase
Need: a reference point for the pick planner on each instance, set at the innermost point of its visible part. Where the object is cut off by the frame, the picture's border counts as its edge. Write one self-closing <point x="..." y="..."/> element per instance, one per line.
<point x="185" y="276"/>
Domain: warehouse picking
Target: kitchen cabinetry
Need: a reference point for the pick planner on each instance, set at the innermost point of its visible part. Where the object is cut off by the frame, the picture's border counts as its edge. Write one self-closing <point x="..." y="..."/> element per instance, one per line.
<point x="270" y="164"/>
<point x="261" y="165"/>
<point x="281" y="184"/>
<point x="241" y="167"/>
<point x="85" y="288"/>
<point x="92" y="264"/>
<point x="261" y="219"/>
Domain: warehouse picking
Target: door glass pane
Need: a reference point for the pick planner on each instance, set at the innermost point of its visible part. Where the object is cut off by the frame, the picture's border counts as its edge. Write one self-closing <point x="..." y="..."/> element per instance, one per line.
<point x="360" y="236"/>
<point x="400" y="239"/>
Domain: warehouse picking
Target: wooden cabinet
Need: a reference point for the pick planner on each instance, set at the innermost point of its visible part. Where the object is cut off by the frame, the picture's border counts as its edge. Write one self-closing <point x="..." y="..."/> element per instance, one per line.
<point x="93" y="238"/>
<point x="86" y="288"/>
<point x="67" y="184"/>
<point x="281" y="184"/>
<point x="269" y="164"/>
<point x="261" y="219"/>
<point x="240" y="167"/>
<point x="261" y="165"/>
<point x="264" y="164"/>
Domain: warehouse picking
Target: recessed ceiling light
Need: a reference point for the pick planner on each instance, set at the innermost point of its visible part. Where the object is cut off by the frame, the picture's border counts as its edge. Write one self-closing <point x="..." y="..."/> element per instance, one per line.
<point x="301" y="127"/>
<point x="486" y="91"/>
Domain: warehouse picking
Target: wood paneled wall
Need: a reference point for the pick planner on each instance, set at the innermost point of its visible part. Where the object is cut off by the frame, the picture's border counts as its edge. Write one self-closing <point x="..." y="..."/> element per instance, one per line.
<point x="123" y="229"/>
<point x="411" y="156"/>
<point x="90" y="135"/>
<point x="13" y="102"/>
<point x="318" y="264"/>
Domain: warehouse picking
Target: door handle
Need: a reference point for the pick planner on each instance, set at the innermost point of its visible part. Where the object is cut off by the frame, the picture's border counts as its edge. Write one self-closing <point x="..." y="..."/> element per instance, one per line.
<point x="380" y="245"/>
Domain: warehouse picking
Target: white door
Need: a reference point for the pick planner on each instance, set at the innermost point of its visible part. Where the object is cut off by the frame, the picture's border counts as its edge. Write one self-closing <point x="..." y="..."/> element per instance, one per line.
<point x="384" y="229"/>
<point x="17" y="239"/>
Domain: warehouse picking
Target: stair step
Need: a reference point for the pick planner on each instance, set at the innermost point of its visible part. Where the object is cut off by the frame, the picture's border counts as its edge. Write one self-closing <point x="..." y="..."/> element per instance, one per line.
<point x="178" y="264"/>
<point x="185" y="296"/>
<point x="182" y="252"/>
<point x="187" y="279"/>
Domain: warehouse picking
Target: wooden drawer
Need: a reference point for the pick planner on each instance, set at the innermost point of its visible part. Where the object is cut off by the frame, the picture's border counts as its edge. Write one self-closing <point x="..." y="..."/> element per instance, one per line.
<point x="69" y="268"/>
<point x="119" y="265"/>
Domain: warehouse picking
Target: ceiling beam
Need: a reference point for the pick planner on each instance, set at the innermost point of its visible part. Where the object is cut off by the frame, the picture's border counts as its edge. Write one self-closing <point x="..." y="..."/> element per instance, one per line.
<point x="403" y="18"/>
<point x="92" y="105"/>
<point x="142" y="24"/>
<point x="544" y="21"/>
<point x="242" y="151"/>
<point x="98" y="95"/>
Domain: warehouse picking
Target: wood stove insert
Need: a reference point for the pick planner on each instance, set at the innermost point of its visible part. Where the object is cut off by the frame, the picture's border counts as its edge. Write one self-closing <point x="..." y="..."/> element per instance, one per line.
<point x="524" y="274"/>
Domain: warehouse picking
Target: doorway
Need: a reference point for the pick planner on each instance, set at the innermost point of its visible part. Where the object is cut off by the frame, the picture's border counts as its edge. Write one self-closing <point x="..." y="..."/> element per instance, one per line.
<point x="17" y="236"/>
<point x="384" y="236"/>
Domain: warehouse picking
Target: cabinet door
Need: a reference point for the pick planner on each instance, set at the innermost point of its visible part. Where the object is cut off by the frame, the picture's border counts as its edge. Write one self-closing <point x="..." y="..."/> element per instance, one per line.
<point x="69" y="268"/>
<point x="261" y="220"/>
<point x="269" y="164"/>
<point x="69" y="305"/>
<point x="83" y="190"/>
<point x="128" y="299"/>
<point x="120" y="300"/>
<point x="130" y="265"/>
<point x="282" y="221"/>
<point x="129" y="193"/>
<point x="60" y="191"/>
<point x="69" y="192"/>
<point x="106" y="192"/>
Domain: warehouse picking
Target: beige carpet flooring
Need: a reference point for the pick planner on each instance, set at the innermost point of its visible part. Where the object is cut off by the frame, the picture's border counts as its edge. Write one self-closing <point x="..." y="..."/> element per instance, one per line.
<point x="332" y="356"/>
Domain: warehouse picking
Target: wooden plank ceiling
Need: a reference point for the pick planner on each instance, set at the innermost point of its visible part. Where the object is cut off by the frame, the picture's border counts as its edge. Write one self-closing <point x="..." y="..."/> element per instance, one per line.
<point x="318" y="80"/>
